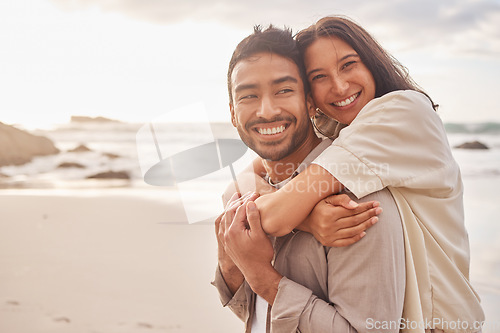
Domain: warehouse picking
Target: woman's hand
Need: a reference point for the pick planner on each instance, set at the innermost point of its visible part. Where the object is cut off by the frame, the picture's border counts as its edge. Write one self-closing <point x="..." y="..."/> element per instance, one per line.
<point x="338" y="221"/>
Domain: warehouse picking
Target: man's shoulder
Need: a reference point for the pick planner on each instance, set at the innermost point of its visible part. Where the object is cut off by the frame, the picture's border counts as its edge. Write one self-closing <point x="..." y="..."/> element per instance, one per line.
<point x="325" y="143"/>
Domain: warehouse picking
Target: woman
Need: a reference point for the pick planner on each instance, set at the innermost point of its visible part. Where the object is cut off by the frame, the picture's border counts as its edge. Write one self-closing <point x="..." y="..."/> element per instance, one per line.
<point x="393" y="139"/>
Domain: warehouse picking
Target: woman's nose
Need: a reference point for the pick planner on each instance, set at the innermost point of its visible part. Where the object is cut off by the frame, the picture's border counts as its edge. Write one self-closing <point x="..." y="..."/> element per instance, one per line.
<point x="339" y="85"/>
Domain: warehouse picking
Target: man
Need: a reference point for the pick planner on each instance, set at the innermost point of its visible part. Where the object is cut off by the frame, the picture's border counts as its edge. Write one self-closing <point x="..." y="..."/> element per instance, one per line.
<point x="310" y="287"/>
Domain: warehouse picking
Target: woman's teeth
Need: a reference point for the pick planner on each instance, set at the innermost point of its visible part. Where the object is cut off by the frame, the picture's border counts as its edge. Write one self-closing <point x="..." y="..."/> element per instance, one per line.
<point x="270" y="131"/>
<point x="347" y="101"/>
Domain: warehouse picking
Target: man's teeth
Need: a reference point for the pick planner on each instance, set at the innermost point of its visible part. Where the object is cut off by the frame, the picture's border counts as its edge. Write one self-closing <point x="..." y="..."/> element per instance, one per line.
<point x="346" y="101"/>
<point x="269" y="131"/>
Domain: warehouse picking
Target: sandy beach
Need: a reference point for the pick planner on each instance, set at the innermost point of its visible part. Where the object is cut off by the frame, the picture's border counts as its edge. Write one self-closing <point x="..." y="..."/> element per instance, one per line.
<point x="119" y="260"/>
<point x="108" y="260"/>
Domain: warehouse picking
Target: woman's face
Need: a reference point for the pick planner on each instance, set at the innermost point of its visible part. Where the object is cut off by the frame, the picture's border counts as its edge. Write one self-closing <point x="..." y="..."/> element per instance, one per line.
<point x="341" y="85"/>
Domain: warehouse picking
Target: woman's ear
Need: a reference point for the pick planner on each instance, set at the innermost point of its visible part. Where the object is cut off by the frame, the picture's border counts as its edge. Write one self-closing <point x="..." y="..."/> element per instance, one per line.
<point x="311" y="107"/>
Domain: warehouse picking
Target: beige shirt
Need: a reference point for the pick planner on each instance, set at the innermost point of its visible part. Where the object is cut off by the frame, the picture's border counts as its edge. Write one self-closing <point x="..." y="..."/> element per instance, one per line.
<point x="327" y="289"/>
<point x="398" y="142"/>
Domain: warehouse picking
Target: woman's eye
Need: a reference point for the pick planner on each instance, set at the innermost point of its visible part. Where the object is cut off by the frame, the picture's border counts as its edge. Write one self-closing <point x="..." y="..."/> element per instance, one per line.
<point x="319" y="76"/>
<point x="347" y="64"/>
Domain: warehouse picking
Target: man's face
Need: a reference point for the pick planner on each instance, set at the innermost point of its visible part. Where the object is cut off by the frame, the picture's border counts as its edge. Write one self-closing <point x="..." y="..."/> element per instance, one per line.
<point x="269" y="108"/>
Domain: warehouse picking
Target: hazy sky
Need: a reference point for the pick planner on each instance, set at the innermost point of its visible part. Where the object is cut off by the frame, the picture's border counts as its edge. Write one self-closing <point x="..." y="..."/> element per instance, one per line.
<point x="138" y="59"/>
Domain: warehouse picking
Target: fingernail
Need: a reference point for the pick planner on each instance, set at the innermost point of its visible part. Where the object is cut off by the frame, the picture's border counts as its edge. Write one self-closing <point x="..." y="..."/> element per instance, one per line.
<point x="376" y="204"/>
<point x="251" y="205"/>
<point x="374" y="220"/>
<point x="363" y="234"/>
<point x="378" y="210"/>
<point x="353" y="204"/>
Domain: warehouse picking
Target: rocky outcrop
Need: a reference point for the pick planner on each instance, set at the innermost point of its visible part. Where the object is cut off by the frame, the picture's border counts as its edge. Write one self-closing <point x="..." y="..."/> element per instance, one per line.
<point x="85" y="119"/>
<point x="111" y="156"/>
<point x="19" y="147"/>
<point x="472" y="145"/>
<point x="110" y="175"/>
<point x="67" y="165"/>
<point x="79" y="149"/>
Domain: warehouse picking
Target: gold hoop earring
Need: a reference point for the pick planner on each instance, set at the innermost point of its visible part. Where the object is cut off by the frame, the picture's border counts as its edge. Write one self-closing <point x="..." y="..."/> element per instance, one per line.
<point x="325" y="125"/>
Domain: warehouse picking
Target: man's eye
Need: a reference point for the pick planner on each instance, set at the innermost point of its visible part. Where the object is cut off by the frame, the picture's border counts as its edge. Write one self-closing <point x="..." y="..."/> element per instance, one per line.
<point x="284" y="91"/>
<point x="248" y="97"/>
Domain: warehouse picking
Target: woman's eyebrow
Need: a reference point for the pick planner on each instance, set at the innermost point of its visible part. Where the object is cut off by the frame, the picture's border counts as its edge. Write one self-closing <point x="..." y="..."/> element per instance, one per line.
<point x="313" y="71"/>
<point x="349" y="56"/>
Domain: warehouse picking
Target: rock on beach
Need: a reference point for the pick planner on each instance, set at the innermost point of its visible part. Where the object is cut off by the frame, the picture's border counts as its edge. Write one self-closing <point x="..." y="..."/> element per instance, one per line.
<point x="79" y="149"/>
<point x="110" y="175"/>
<point x="67" y="165"/>
<point x="19" y="147"/>
<point x="472" y="145"/>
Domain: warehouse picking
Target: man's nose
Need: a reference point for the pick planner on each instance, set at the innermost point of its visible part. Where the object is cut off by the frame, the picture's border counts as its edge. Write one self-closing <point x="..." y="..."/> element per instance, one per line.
<point x="268" y="109"/>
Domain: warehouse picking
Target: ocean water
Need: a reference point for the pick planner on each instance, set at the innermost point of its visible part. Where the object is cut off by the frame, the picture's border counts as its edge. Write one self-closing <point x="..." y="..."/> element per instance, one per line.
<point x="480" y="170"/>
<point x="136" y="154"/>
<point x="116" y="138"/>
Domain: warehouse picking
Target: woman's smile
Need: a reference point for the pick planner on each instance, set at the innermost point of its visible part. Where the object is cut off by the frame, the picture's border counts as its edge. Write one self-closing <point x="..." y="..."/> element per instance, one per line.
<point x="346" y="101"/>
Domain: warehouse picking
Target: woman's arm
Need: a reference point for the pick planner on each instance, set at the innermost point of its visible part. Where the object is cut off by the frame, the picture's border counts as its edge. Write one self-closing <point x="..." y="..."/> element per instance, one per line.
<point x="332" y="226"/>
<point x="286" y="208"/>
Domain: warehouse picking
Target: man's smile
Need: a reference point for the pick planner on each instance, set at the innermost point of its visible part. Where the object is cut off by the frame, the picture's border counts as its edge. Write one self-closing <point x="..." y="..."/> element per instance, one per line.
<point x="271" y="130"/>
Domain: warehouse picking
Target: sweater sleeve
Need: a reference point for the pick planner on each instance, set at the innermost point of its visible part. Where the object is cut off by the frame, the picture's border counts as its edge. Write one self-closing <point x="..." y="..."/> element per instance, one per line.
<point x="396" y="140"/>
<point x="237" y="303"/>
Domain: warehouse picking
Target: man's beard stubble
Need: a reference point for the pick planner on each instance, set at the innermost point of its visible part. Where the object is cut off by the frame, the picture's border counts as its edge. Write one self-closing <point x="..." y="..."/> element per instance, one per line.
<point x="297" y="139"/>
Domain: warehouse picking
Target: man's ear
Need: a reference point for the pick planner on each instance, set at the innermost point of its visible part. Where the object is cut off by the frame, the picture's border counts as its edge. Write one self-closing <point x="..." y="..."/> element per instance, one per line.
<point x="233" y="118"/>
<point x="311" y="107"/>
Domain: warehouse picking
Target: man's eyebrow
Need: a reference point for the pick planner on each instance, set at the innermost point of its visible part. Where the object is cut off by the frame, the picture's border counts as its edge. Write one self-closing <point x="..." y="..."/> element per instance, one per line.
<point x="285" y="79"/>
<point x="241" y="87"/>
<point x="340" y="60"/>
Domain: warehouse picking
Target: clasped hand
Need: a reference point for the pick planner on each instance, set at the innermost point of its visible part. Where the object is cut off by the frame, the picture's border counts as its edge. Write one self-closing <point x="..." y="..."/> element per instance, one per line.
<point x="246" y="252"/>
<point x="241" y="236"/>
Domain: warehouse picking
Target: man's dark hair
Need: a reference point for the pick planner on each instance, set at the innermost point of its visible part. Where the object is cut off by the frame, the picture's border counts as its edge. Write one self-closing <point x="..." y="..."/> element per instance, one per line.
<point x="270" y="40"/>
